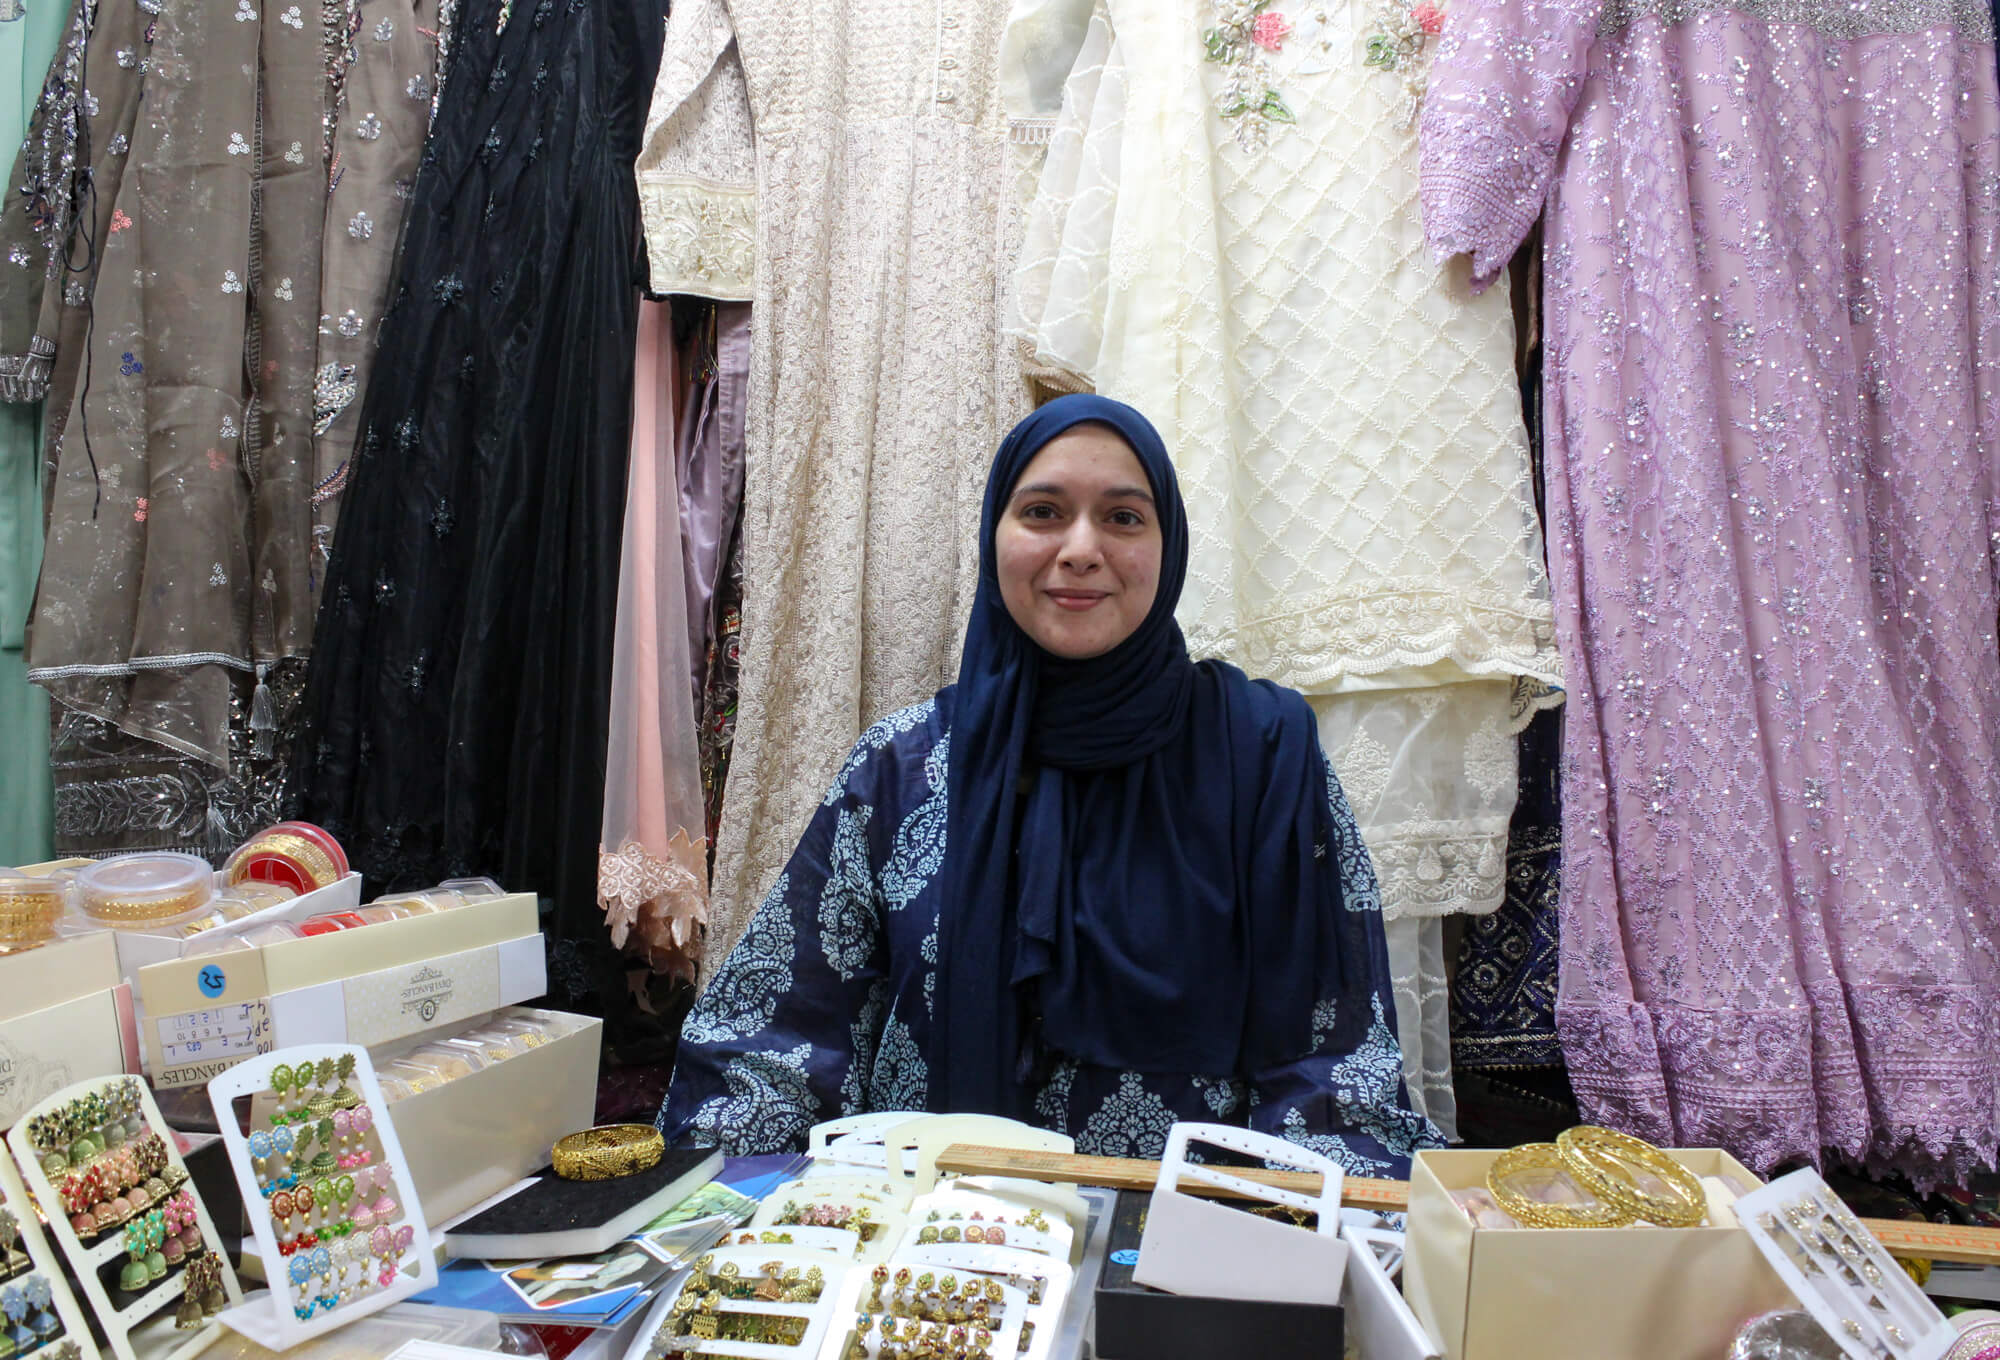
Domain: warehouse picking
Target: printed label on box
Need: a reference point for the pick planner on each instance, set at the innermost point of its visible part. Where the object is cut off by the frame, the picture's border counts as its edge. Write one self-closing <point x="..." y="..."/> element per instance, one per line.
<point x="197" y="1045"/>
<point x="440" y="991"/>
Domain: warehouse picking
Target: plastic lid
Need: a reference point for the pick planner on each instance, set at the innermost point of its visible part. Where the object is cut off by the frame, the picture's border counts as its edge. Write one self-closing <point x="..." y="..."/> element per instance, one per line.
<point x="472" y="889"/>
<point x="136" y="892"/>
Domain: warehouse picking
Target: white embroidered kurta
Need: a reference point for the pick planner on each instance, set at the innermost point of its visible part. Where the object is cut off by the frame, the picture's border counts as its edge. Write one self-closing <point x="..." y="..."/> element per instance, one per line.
<point x="1227" y="236"/>
<point x="880" y="382"/>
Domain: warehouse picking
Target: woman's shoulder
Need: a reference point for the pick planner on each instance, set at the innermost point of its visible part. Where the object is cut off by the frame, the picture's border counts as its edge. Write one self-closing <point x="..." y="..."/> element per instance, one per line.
<point x="899" y="741"/>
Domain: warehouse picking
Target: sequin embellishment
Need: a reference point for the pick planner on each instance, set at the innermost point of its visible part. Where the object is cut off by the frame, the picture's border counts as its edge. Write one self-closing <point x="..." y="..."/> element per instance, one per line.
<point x="297" y="155"/>
<point x="283" y="292"/>
<point x="1398" y="46"/>
<point x="230" y="283"/>
<point x="238" y="146"/>
<point x="333" y="390"/>
<point x="1245" y="32"/>
<point x="385" y="30"/>
<point x="131" y="367"/>
<point x="119" y="221"/>
<point x="360" y="226"/>
<point x="350" y="323"/>
<point x="245" y="14"/>
<point x="369" y="128"/>
<point x="419" y="88"/>
<point x="292" y="18"/>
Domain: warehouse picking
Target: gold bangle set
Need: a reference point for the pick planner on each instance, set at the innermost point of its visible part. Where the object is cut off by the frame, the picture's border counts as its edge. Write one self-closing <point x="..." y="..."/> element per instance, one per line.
<point x="1607" y="1165"/>
<point x="607" y="1152"/>
<point x="317" y="864"/>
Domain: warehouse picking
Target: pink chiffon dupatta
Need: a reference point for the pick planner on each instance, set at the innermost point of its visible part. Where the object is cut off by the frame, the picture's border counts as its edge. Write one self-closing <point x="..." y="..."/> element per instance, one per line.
<point x="652" y="868"/>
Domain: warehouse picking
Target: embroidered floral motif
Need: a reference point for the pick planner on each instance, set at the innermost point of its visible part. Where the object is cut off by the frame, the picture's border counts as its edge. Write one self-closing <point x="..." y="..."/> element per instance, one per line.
<point x="228" y="427"/>
<point x="1399" y="46"/>
<point x="131" y="367"/>
<point x="1245" y="32"/>
<point x="127" y="58"/>
<point x="139" y="510"/>
<point x="230" y="283"/>
<point x="361" y="226"/>
<point x="237" y="145"/>
<point x="847" y="923"/>
<point x="418" y="89"/>
<point x="217" y="460"/>
<point x="296" y="155"/>
<point x="119" y="221"/>
<point x="1269" y="30"/>
<point x="369" y="128"/>
<point x="119" y="145"/>
<point x="244" y="13"/>
<point x="744" y="996"/>
<point x="292" y="18"/>
<point x="350" y="323"/>
<point x="217" y="576"/>
<point x="283" y="292"/>
<point x="1132" y="1123"/>
<point x="385" y="30"/>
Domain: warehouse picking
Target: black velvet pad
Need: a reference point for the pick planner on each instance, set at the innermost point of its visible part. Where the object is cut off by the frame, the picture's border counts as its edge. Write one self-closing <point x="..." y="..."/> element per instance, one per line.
<point x="556" y="1205"/>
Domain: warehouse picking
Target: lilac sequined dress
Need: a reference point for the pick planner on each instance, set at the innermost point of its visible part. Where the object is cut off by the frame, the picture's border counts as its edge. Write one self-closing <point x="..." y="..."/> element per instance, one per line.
<point x="1773" y="393"/>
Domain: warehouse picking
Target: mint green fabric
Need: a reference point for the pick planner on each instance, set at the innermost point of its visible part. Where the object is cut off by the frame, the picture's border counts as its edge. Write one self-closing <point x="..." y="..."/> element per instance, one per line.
<point x="27" y="45"/>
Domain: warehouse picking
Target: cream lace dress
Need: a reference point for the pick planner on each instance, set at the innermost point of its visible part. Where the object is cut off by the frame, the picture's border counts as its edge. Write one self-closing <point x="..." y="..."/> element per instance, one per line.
<point x="873" y="229"/>
<point x="1226" y="235"/>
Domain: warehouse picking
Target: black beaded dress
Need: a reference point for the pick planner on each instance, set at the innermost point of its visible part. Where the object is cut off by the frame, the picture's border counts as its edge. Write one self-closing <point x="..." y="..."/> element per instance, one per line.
<point x="456" y="707"/>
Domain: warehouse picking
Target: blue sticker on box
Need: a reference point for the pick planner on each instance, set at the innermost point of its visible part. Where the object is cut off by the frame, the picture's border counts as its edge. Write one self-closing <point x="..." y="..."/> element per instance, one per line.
<point x="1126" y="1257"/>
<point x="212" y="981"/>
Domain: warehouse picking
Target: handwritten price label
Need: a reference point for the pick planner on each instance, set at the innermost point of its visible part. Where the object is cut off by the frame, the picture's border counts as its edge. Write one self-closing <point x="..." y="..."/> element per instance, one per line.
<point x="202" y="1043"/>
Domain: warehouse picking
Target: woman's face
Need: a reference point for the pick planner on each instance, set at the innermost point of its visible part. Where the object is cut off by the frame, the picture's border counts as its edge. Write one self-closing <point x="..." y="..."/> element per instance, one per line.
<point x="1078" y="545"/>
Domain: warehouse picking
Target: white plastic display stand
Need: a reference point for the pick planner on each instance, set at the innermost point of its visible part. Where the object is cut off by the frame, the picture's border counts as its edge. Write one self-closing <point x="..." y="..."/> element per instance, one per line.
<point x="1842" y="1273"/>
<point x="42" y="1261"/>
<point x="854" y="1140"/>
<point x="269" y="1319"/>
<point x="946" y="1201"/>
<point x="1198" y="1246"/>
<point x="1376" y="1316"/>
<point x="819" y="1316"/>
<point x="144" y="1328"/>
<point x="914" y="1146"/>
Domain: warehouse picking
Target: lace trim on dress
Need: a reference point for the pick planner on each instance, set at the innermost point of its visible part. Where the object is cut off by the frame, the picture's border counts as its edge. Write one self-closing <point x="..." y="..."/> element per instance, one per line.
<point x="1437" y="868"/>
<point x="25" y="377"/>
<point x="701" y="237"/>
<point x="1842" y="20"/>
<point x="1336" y="633"/>
<point x="657" y="909"/>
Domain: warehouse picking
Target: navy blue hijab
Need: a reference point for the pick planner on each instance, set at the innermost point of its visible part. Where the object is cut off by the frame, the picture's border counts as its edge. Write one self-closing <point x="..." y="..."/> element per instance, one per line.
<point x="1139" y="862"/>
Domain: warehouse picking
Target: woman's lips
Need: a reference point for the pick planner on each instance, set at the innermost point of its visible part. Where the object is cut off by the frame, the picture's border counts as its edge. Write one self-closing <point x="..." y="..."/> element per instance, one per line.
<point x="1077" y="600"/>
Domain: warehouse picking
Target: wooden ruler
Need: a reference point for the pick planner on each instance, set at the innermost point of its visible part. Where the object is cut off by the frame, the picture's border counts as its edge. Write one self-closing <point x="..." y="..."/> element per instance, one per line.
<point x="1931" y="1241"/>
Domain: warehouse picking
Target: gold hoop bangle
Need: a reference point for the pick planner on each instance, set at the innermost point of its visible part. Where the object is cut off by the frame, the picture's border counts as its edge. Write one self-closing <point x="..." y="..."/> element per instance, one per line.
<point x="142" y="910"/>
<point x="1532" y="1213"/>
<point x="607" y="1152"/>
<point x="307" y="856"/>
<point x="1604" y="1161"/>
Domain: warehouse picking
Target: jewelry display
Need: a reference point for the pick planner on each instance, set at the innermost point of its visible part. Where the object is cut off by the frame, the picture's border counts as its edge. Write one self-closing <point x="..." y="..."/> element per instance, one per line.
<point x="30" y="907"/>
<point x="1841" y="1272"/>
<point x="1533" y="1184"/>
<point x="139" y="1242"/>
<point x="751" y="1302"/>
<point x="341" y="1236"/>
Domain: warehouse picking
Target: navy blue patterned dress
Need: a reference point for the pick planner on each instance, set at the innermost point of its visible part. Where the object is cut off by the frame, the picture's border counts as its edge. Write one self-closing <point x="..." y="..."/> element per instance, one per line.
<point x="824" y="1007"/>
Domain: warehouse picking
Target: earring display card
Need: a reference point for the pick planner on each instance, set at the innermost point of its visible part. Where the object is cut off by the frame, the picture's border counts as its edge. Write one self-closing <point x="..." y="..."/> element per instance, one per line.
<point x="140" y="1242"/>
<point x="901" y="1309"/>
<point x="1842" y="1273"/>
<point x="751" y="1303"/>
<point x="327" y="1190"/>
<point x="42" y="1317"/>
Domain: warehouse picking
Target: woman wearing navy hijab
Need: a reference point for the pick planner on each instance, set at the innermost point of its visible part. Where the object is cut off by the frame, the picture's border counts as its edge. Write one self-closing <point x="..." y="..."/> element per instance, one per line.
<point x="1094" y="885"/>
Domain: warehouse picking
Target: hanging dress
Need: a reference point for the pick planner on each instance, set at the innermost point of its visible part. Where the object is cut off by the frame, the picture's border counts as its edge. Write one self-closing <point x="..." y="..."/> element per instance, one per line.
<point x="456" y="708"/>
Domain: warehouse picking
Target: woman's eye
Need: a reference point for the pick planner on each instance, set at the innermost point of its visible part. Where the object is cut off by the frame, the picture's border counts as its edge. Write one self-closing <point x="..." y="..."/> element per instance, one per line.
<point x="1127" y="518"/>
<point x="1038" y="512"/>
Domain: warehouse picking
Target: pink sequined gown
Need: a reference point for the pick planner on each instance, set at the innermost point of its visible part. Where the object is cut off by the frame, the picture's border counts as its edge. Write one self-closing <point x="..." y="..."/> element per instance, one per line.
<point x="1773" y="443"/>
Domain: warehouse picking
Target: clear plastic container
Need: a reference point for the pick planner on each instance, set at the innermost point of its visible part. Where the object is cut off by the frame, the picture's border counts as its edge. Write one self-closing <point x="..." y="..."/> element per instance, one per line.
<point x="214" y="944"/>
<point x="472" y="889"/>
<point x="271" y="932"/>
<point x="29" y="909"/>
<point x="153" y="891"/>
<point x="450" y="1059"/>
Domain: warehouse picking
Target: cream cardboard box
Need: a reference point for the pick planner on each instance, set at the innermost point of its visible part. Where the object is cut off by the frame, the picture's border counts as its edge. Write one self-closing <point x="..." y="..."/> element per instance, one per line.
<point x="1525" y="1293"/>
<point x="469" y="1139"/>
<point x="64" y="1018"/>
<point x="364" y="986"/>
<point x="141" y="949"/>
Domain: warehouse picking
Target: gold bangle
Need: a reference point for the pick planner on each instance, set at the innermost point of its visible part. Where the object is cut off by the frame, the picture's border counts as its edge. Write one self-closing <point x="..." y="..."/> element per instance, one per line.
<point x="1604" y="1161"/>
<point x="307" y="856"/>
<point x="141" y="910"/>
<point x="607" y="1152"/>
<point x="1533" y="1213"/>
